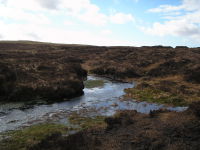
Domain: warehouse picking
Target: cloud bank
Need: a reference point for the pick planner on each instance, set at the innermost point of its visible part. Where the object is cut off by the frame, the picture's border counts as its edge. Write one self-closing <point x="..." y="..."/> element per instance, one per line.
<point x="45" y="20"/>
<point x="182" y="20"/>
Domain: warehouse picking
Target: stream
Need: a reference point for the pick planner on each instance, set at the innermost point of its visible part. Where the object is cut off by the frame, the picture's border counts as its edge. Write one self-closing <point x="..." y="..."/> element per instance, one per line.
<point x="104" y="100"/>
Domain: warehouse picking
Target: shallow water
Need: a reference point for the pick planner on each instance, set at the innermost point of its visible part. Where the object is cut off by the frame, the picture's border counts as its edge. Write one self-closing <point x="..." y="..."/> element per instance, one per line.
<point x="103" y="100"/>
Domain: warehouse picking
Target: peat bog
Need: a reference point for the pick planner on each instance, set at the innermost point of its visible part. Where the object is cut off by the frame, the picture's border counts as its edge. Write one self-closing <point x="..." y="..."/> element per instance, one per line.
<point x="56" y="74"/>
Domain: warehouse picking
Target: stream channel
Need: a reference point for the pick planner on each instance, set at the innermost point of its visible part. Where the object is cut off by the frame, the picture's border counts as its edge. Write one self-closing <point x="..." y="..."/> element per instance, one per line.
<point x="103" y="100"/>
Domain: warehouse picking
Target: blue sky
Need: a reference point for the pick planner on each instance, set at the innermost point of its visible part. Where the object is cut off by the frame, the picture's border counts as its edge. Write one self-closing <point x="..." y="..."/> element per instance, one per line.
<point x="102" y="22"/>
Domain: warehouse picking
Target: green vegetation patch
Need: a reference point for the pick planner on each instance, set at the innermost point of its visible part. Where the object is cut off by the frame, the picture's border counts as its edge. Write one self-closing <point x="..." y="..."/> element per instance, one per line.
<point x="87" y="122"/>
<point x="22" y="139"/>
<point x="94" y="83"/>
<point x="155" y="96"/>
<point x="30" y="136"/>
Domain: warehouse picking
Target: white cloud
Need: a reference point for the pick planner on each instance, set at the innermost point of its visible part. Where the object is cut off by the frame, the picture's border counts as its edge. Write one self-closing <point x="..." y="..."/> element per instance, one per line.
<point x="56" y="35"/>
<point x="83" y="10"/>
<point x="33" y="36"/>
<point x="49" y="4"/>
<point x="188" y="5"/>
<point x="174" y="27"/>
<point x="165" y="8"/>
<point x="92" y="15"/>
<point x="181" y="21"/>
<point x="121" y="18"/>
<point x="20" y="15"/>
<point x="1" y="36"/>
<point x="191" y="4"/>
<point x="69" y="23"/>
<point x="34" y="20"/>
<point x="106" y="32"/>
<point x="21" y="4"/>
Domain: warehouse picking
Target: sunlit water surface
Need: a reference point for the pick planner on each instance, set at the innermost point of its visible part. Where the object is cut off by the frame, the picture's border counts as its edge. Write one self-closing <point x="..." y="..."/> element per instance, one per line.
<point x="103" y="100"/>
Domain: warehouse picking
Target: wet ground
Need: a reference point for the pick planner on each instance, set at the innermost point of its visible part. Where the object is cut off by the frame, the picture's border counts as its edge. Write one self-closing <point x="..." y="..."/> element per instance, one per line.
<point x="103" y="100"/>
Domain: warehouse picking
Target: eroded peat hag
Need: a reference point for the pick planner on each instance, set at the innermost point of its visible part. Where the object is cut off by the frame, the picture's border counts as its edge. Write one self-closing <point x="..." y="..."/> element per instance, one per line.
<point x="34" y="71"/>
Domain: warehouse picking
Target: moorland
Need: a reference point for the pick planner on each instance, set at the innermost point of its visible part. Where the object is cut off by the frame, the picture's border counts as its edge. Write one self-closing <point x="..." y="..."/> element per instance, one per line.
<point x="163" y="74"/>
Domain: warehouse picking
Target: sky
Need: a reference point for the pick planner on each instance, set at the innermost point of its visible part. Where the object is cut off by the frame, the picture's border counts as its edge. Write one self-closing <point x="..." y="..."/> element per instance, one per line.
<point x="102" y="22"/>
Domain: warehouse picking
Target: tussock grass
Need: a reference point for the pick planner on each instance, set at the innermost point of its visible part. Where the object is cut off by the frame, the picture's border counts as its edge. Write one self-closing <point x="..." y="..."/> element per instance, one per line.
<point x="22" y="139"/>
<point x="156" y="96"/>
<point x="87" y="122"/>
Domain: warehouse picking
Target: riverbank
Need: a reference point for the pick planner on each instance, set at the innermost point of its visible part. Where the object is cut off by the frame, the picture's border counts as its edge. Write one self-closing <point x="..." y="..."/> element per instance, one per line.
<point x="160" y="129"/>
<point x="29" y="137"/>
<point x="102" y="99"/>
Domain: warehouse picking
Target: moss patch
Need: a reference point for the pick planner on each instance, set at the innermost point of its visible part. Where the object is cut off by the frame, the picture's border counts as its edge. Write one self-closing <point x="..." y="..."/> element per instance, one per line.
<point x="30" y="136"/>
<point x="94" y="83"/>
<point x="22" y="139"/>
<point x="155" y="96"/>
<point x="87" y="122"/>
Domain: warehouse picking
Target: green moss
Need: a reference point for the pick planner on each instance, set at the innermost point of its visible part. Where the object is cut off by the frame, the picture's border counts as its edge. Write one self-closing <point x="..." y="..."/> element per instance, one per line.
<point x="21" y="139"/>
<point x="25" y="138"/>
<point x="87" y="122"/>
<point x="94" y="83"/>
<point x="155" y="96"/>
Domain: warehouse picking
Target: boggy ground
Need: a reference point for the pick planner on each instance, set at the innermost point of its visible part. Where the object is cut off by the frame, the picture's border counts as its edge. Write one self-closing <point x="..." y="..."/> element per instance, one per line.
<point x="29" y="137"/>
<point x="163" y="74"/>
<point x="129" y="130"/>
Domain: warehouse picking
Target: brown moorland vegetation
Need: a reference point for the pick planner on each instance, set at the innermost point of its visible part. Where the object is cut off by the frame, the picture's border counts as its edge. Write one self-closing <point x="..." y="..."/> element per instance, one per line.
<point x="163" y="75"/>
<point x="172" y="73"/>
<point x="33" y="70"/>
<point x="175" y="72"/>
